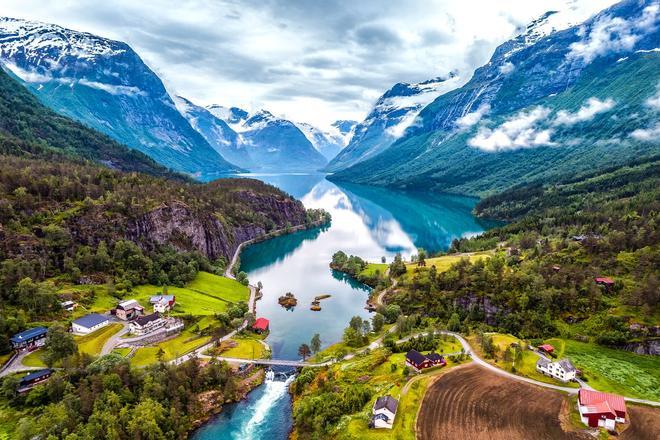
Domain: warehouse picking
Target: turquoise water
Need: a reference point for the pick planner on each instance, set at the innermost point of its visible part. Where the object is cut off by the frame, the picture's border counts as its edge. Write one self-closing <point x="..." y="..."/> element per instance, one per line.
<point x="369" y="222"/>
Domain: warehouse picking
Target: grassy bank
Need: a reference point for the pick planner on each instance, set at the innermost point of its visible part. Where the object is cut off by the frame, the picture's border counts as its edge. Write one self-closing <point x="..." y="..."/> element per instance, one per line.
<point x="611" y="370"/>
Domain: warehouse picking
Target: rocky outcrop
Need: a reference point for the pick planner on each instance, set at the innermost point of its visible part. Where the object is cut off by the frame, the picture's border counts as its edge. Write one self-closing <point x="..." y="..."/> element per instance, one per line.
<point x="650" y="346"/>
<point x="177" y="225"/>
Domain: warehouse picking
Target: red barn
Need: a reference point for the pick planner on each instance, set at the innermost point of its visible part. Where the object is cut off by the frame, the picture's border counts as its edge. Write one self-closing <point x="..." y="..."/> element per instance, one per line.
<point x="417" y="360"/>
<point x="547" y="348"/>
<point x="436" y="359"/>
<point x="260" y="325"/>
<point x="601" y="409"/>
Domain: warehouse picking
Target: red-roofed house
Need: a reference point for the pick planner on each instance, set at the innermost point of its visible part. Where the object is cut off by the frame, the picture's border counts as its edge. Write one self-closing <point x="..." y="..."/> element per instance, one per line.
<point x="604" y="281"/>
<point x="260" y="325"/>
<point x="601" y="409"/>
<point x="547" y="348"/>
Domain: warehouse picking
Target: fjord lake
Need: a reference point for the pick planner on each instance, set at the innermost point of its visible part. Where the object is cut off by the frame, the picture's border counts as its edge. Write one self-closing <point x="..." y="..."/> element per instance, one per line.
<point x="366" y="221"/>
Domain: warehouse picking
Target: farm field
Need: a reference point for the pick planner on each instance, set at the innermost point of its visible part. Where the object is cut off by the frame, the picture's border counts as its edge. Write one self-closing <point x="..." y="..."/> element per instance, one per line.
<point x="611" y="370"/>
<point x="526" y="368"/>
<point x="644" y="423"/>
<point x="472" y="403"/>
<point x="444" y="262"/>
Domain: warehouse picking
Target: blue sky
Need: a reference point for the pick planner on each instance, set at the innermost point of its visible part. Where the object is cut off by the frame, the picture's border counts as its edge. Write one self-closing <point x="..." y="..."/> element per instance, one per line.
<point x="308" y="60"/>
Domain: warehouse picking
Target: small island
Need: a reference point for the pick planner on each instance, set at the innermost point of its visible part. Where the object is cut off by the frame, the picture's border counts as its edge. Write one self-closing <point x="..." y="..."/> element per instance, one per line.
<point x="288" y="301"/>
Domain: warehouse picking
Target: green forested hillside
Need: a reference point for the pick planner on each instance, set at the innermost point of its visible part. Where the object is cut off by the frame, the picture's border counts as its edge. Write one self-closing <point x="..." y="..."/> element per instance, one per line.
<point x="28" y="128"/>
<point x="542" y="282"/>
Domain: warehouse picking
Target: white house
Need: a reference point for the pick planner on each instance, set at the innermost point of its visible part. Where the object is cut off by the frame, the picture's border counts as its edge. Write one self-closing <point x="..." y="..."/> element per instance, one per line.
<point x="384" y="412"/>
<point x="562" y="370"/>
<point x="163" y="303"/>
<point x="89" y="323"/>
<point x="147" y="324"/>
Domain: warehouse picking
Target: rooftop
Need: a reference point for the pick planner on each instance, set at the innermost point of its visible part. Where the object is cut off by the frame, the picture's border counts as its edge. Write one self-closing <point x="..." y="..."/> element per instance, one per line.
<point x="388" y="402"/>
<point x="36" y="375"/>
<point x="593" y="398"/>
<point x="158" y="298"/>
<point x="144" y="320"/>
<point x="28" y="334"/>
<point x="415" y="357"/>
<point x="261" y="324"/>
<point x="89" y="321"/>
<point x="566" y="365"/>
<point x="129" y="304"/>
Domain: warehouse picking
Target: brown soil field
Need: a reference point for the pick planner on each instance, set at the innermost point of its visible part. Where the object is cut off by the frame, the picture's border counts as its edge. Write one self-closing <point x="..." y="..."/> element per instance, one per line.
<point x="473" y="403"/>
<point x="644" y="424"/>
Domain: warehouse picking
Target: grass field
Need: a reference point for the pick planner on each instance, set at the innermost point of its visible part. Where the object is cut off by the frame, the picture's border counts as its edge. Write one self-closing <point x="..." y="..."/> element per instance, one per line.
<point x="526" y="368"/>
<point x="122" y="351"/>
<point x="444" y="262"/>
<point x="34" y="359"/>
<point x="611" y="370"/>
<point x="180" y="345"/>
<point x="372" y="268"/>
<point x="247" y="348"/>
<point x="4" y="358"/>
<point x="205" y="295"/>
<point x="93" y="343"/>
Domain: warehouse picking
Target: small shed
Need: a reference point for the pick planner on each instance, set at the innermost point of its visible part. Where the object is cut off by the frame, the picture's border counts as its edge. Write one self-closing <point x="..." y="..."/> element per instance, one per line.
<point x="261" y="325"/>
<point x="547" y="348"/>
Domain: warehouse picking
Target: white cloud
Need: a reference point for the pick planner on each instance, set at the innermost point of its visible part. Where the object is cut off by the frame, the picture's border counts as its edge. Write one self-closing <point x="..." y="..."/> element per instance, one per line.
<point x="614" y="34"/>
<point x="586" y="112"/>
<point x="654" y="101"/>
<point x="507" y="68"/>
<point x="469" y="119"/>
<point x="314" y="61"/>
<point x="523" y="130"/>
<point x="648" y="134"/>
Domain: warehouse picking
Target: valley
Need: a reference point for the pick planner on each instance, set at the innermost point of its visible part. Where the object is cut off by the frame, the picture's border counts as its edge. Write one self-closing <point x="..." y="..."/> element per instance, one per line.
<point x="328" y="221"/>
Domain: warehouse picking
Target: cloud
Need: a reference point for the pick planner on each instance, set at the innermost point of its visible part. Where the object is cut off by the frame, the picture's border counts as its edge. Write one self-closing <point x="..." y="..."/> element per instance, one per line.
<point x="654" y="101"/>
<point x="33" y="77"/>
<point x="586" y="112"/>
<point x="614" y="34"/>
<point x="520" y="131"/>
<point x="507" y="68"/>
<point x="470" y="119"/>
<point x="651" y="134"/>
<point x="299" y="57"/>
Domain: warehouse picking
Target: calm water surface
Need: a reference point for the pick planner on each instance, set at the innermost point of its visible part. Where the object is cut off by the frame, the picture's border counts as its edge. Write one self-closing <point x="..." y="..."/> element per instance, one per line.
<point x="369" y="222"/>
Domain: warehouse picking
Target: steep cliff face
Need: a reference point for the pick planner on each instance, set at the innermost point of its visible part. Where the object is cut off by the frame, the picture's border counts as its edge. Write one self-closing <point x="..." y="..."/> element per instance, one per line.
<point x="186" y="229"/>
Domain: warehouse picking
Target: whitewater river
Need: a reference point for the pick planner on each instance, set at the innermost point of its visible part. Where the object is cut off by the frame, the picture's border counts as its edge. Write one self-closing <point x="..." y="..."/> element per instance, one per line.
<point x="369" y="222"/>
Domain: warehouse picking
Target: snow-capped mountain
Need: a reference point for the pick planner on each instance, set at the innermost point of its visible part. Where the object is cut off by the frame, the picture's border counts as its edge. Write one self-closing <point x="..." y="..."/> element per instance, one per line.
<point x="327" y="143"/>
<point x="104" y="84"/>
<point x="392" y="114"/>
<point x="267" y="142"/>
<point x="553" y="101"/>
<point x="216" y="131"/>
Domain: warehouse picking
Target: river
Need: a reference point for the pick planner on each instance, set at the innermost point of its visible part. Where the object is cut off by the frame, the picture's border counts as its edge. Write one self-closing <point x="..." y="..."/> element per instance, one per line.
<point x="366" y="221"/>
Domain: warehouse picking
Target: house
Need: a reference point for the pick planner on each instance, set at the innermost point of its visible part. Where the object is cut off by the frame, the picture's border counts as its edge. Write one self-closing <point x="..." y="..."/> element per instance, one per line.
<point x="68" y="305"/>
<point x="31" y="338"/>
<point x="601" y="409"/>
<point x="163" y="303"/>
<point x="436" y="359"/>
<point x="417" y="360"/>
<point x="128" y="310"/>
<point x="604" y="281"/>
<point x="36" y="377"/>
<point x="261" y="325"/>
<point x="384" y="412"/>
<point x="89" y="323"/>
<point x="547" y="348"/>
<point x="562" y="370"/>
<point x="147" y="324"/>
